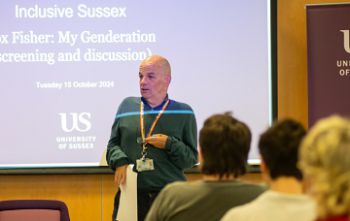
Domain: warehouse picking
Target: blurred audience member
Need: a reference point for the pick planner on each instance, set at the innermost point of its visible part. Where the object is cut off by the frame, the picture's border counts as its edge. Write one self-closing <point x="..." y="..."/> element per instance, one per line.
<point x="223" y="152"/>
<point x="325" y="161"/>
<point x="284" y="201"/>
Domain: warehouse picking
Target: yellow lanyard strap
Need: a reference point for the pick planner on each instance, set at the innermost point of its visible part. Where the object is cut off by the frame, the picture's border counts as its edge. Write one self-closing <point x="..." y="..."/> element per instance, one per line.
<point x="142" y="127"/>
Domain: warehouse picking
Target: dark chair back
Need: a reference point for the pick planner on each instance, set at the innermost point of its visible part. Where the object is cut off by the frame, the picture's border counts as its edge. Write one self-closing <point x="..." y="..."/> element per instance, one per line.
<point x="33" y="210"/>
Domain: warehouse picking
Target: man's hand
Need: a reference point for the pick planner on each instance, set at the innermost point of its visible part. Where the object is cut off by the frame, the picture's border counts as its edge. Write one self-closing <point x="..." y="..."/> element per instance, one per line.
<point x="157" y="140"/>
<point x="120" y="175"/>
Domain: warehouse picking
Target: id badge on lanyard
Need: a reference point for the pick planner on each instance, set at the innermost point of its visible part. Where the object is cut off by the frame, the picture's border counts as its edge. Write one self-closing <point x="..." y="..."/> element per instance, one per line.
<point x="146" y="164"/>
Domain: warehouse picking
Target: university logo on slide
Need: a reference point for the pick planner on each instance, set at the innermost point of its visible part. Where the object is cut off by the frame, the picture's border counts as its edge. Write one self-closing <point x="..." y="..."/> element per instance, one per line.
<point x="78" y="121"/>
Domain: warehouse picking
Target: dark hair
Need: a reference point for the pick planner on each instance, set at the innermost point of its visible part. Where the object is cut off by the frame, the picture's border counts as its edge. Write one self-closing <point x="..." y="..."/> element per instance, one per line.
<point x="225" y="144"/>
<point x="279" y="148"/>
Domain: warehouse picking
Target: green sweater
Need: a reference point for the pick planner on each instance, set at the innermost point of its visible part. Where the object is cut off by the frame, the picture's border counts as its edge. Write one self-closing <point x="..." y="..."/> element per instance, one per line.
<point x="177" y="122"/>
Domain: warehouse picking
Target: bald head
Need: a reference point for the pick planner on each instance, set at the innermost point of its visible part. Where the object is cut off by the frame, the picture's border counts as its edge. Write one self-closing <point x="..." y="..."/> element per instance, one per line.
<point x="158" y="61"/>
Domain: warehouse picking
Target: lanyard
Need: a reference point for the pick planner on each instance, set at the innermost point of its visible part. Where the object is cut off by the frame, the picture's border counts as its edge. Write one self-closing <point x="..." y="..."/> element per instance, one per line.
<point x="142" y="127"/>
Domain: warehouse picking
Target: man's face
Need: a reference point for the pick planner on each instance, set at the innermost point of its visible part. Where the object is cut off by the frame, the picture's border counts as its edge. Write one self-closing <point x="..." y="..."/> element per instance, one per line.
<point x="153" y="82"/>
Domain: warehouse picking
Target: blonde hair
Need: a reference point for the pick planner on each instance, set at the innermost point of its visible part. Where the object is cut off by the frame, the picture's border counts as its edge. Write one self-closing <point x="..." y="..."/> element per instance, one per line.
<point x="325" y="160"/>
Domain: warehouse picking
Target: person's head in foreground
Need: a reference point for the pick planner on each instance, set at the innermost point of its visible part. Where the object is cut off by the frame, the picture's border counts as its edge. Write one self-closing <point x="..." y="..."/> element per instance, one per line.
<point x="224" y="146"/>
<point x="325" y="162"/>
<point x="279" y="148"/>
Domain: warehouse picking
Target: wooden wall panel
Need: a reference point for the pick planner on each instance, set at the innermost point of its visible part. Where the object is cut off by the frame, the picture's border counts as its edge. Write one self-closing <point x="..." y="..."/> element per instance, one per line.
<point x="88" y="197"/>
<point x="107" y="195"/>
<point x="292" y="58"/>
<point x="81" y="193"/>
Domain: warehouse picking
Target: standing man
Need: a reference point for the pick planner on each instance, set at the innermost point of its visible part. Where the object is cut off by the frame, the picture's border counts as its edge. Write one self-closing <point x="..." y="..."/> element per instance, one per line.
<point x="156" y="134"/>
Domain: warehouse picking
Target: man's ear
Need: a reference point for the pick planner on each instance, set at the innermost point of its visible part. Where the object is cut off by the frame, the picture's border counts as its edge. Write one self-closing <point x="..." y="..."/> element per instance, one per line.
<point x="265" y="173"/>
<point x="168" y="78"/>
<point x="200" y="156"/>
<point x="263" y="166"/>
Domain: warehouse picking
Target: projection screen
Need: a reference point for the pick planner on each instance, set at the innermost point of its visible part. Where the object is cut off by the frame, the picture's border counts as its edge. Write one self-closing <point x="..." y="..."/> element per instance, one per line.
<point x="67" y="65"/>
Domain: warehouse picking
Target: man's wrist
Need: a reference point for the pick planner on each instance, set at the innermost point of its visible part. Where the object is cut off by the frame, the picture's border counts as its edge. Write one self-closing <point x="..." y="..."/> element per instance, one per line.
<point x="121" y="162"/>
